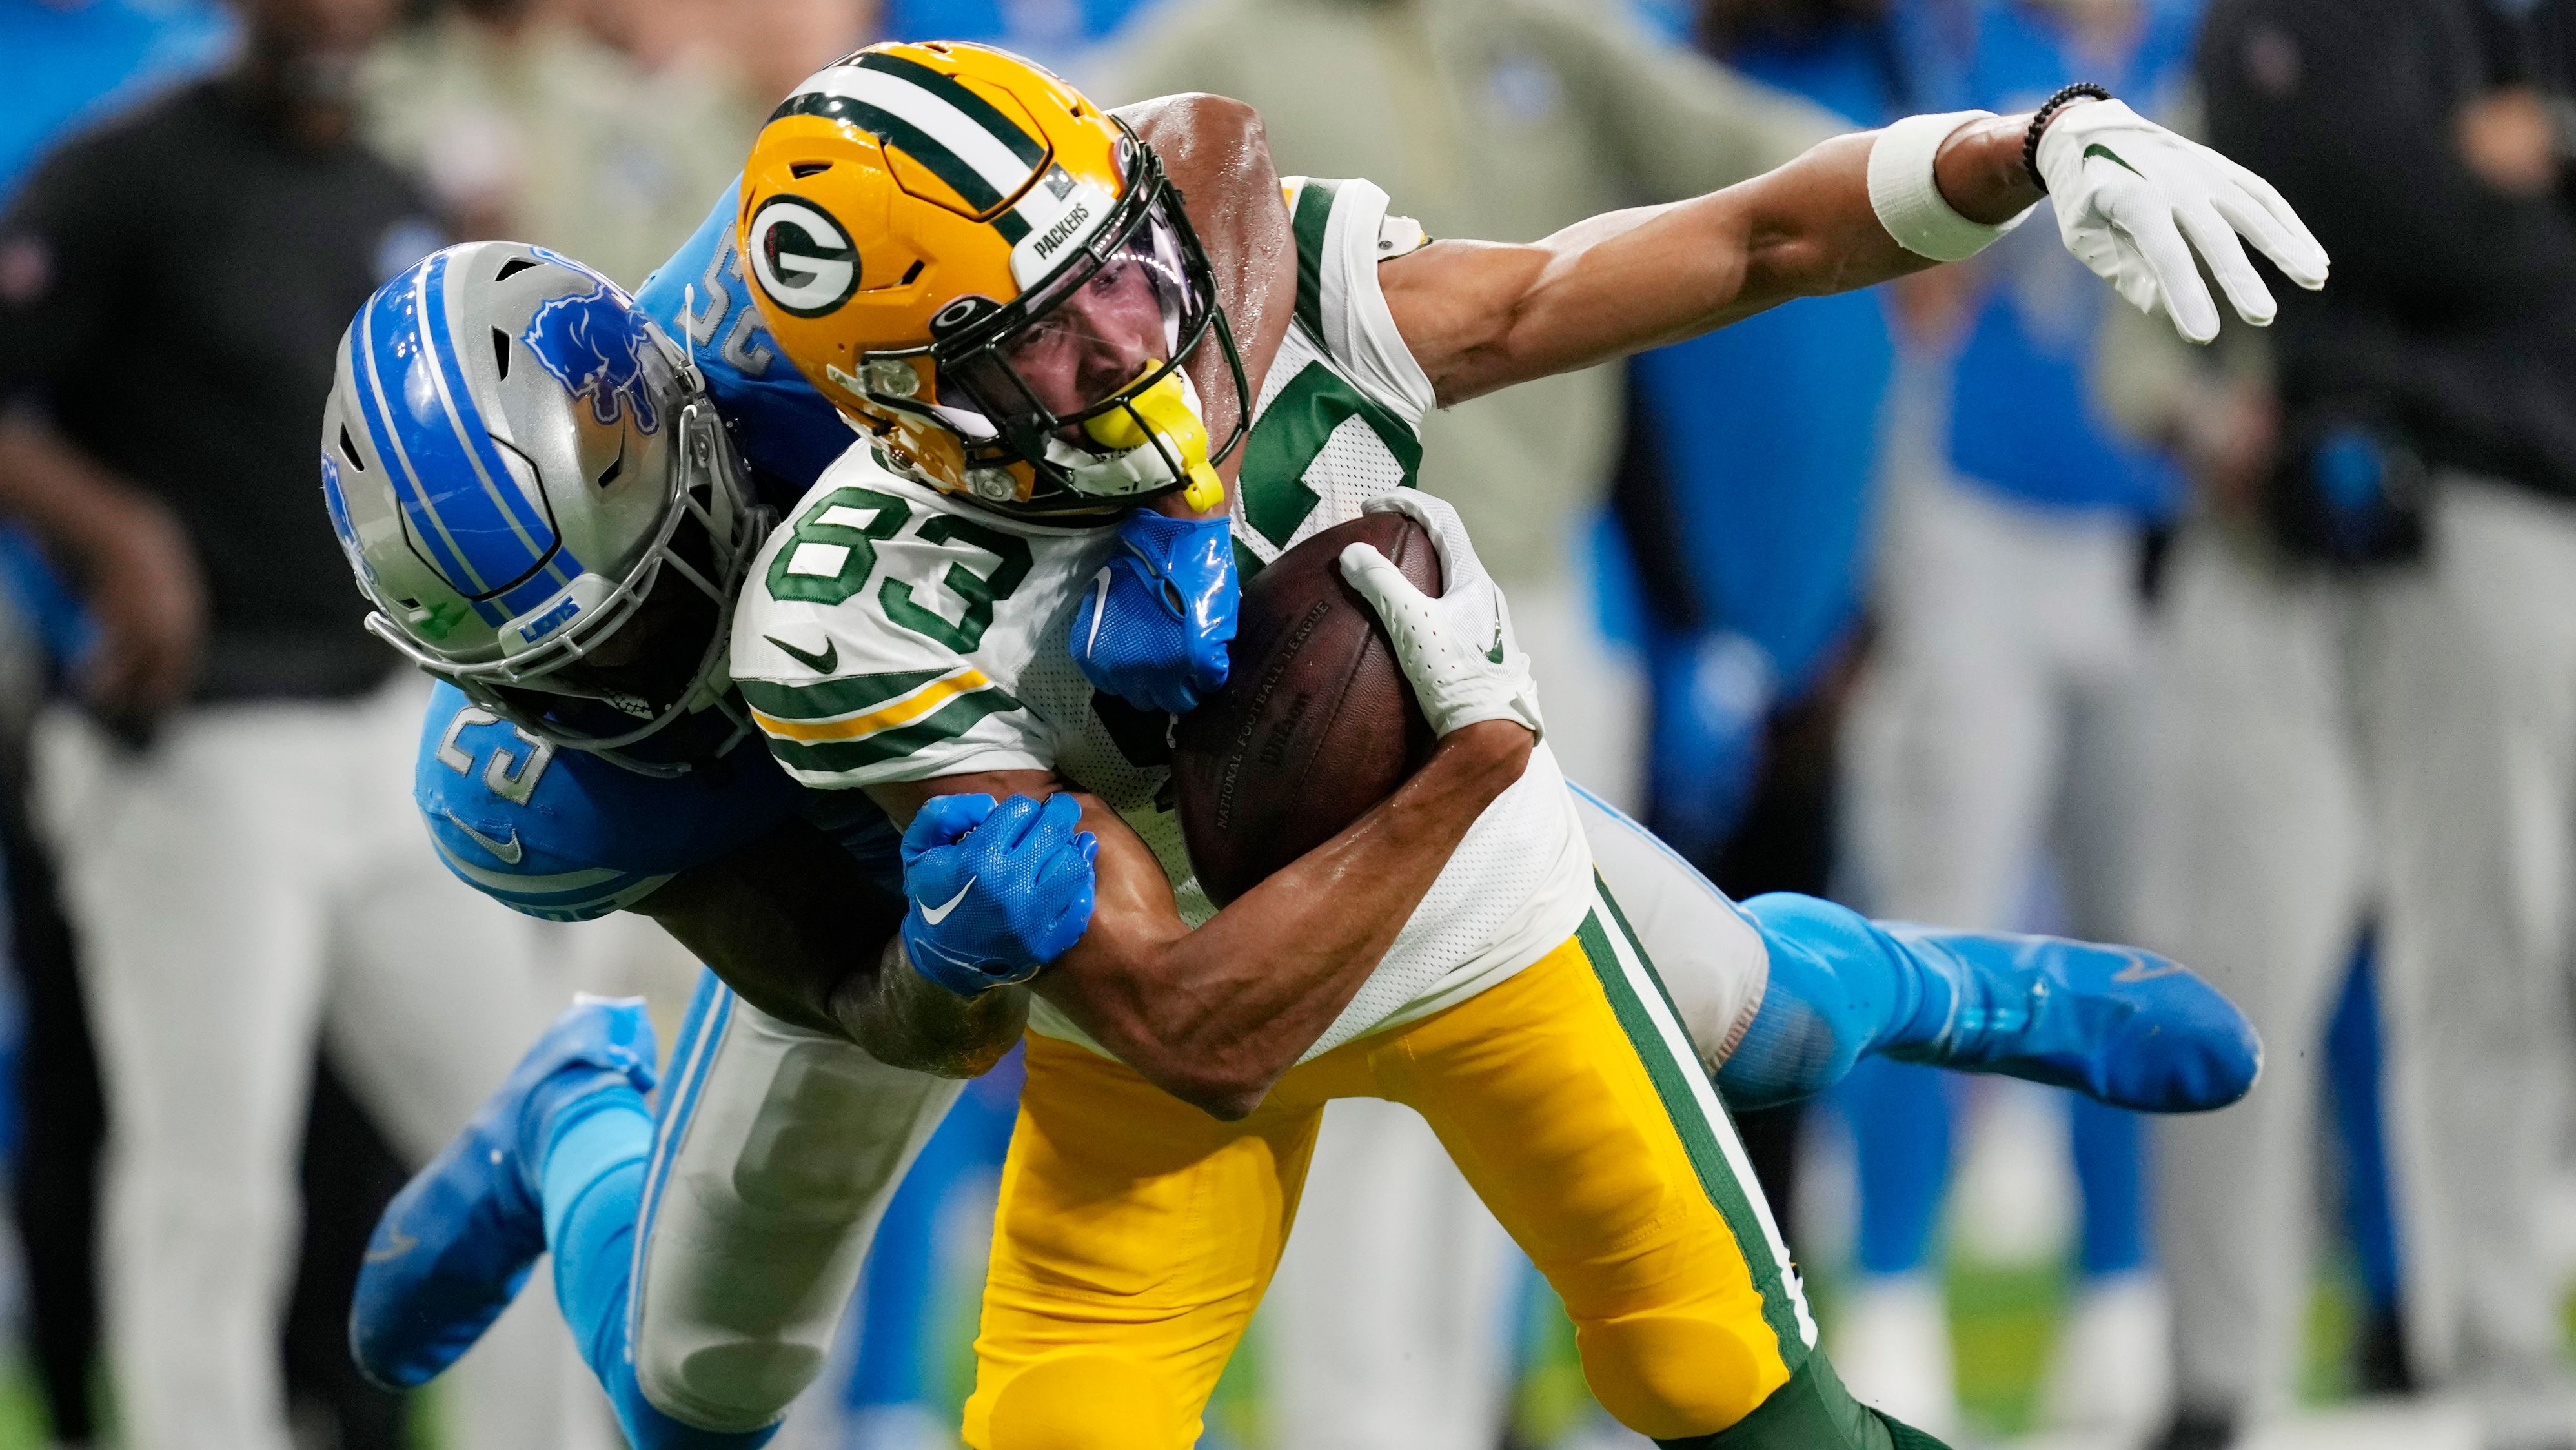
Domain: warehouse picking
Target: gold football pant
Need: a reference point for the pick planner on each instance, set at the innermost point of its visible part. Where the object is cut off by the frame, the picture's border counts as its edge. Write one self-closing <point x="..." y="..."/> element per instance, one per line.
<point x="1136" y="1234"/>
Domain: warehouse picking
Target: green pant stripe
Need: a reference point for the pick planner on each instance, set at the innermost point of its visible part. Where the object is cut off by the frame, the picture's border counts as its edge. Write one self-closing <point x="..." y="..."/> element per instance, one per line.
<point x="1782" y="1308"/>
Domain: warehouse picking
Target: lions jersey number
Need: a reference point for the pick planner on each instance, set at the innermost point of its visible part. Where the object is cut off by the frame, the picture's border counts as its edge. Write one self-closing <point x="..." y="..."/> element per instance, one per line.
<point x="512" y="774"/>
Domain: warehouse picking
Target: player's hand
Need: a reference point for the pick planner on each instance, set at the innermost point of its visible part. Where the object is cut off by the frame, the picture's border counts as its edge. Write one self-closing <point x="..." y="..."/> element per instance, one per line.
<point x="149" y="600"/>
<point x="1154" y="623"/>
<point x="998" y="890"/>
<point x="1458" y="649"/>
<point x="2134" y="201"/>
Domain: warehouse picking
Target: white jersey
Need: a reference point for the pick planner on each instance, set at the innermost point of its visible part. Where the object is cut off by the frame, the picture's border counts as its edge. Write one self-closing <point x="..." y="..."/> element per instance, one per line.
<point x="894" y="633"/>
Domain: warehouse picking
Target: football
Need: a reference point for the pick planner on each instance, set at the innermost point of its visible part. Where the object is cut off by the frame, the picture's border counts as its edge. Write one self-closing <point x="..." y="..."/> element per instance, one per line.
<point x="1316" y="723"/>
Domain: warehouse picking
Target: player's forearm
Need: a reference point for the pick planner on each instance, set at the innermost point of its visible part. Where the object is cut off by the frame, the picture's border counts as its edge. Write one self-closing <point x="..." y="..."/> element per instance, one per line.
<point x="69" y="499"/>
<point x="904" y="1020"/>
<point x="793" y="926"/>
<point x="1215" y="1015"/>
<point x="1631" y="280"/>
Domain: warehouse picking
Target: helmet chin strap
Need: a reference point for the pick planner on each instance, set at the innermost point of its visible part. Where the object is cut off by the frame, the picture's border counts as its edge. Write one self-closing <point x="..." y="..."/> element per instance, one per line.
<point x="1159" y="428"/>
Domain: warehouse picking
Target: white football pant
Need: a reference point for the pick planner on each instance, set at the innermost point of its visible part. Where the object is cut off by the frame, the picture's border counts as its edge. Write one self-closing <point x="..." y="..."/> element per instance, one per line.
<point x="2405" y="739"/>
<point x="259" y="878"/>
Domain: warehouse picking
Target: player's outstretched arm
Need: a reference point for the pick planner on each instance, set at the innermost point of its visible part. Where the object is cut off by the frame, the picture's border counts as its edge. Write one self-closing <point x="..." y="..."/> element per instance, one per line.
<point x="1214" y="1016"/>
<point x="793" y="925"/>
<point x="2134" y="202"/>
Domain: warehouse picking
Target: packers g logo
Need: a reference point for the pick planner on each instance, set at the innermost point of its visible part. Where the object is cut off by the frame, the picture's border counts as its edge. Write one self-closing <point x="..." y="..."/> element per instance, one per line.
<point x="801" y="257"/>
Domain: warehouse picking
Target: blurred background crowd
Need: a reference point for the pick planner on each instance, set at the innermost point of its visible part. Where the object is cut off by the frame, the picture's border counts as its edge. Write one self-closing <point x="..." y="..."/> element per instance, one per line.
<point x="1974" y="600"/>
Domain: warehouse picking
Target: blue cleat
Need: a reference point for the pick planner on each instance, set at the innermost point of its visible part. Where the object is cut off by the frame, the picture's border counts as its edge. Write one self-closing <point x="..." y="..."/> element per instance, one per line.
<point x="2127" y="1027"/>
<point x="456" y="1244"/>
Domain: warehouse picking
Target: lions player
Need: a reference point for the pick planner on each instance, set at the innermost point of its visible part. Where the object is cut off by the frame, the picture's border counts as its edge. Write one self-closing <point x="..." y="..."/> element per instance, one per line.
<point x="738" y="1333"/>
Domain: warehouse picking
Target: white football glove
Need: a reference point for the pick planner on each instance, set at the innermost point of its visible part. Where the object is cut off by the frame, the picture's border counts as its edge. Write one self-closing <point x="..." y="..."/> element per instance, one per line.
<point x="1457" y="649"/>
<point x="2134" y="201"/>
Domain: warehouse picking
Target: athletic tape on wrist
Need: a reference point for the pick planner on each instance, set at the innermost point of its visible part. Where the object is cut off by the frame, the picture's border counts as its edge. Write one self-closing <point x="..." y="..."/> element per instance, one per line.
<point x="1909" y="202"/>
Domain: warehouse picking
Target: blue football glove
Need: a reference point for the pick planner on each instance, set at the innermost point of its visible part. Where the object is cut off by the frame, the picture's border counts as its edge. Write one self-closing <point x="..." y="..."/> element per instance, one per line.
<point x="998" y="890"/>
<point x="1153" y="626"/>
<point x="1712" y="696"/>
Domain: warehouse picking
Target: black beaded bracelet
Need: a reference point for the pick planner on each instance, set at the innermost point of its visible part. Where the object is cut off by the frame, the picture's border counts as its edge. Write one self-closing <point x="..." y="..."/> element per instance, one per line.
<point x="2040" y="118"/>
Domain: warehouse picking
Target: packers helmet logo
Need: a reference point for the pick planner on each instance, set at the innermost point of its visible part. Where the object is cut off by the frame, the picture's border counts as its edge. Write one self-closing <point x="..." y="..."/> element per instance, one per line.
<point x="801" y="257"/>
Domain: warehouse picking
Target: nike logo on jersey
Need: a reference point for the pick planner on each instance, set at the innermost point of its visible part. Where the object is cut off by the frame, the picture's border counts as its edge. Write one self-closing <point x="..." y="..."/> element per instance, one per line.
<point x="508" y="851"/>
<point x="821" y="664"/>
<point x="934" y="915"/>
<point x="401" y="1244"/>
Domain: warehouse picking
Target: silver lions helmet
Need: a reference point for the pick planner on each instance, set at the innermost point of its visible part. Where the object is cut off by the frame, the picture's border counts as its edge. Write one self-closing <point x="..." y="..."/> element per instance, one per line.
<point x="534" y="489"/>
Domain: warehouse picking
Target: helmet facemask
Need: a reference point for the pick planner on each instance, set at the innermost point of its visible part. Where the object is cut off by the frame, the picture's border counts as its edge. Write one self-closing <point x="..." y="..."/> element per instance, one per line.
<point x="622" y="671"/>
<point x="1020" y="383"/>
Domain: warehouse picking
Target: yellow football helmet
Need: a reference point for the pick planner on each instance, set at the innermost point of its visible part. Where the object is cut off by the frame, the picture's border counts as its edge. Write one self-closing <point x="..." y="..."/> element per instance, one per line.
<point x="989" y="275"/>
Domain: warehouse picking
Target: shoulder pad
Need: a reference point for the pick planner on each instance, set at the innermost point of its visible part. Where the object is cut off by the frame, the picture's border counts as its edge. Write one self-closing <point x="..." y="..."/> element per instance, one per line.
<point x="566" y="835"/>
<point x="787" y="431"/>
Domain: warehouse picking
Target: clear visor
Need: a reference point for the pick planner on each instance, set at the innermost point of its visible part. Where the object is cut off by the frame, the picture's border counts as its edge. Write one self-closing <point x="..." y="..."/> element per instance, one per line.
<point x="1109" y="324"/>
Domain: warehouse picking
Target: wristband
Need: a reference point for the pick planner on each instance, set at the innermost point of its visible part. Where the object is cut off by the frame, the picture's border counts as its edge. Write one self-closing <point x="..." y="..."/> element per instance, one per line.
<point x="2047" y="112"/>
<point x="1909" y="202"/>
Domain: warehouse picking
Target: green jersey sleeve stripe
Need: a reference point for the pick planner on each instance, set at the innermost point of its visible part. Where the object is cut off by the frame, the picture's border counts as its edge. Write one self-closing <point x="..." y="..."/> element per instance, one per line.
<point x="824" y="699"/>
<point x="886" y="746"/>
<point x="1314" y="215"/>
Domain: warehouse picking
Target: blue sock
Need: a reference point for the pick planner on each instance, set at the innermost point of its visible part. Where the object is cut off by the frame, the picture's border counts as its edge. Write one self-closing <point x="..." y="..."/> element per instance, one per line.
<point x="592" y="1181"/>
<point x="1900" y="1121"/>
<point x="2353" y="1068"/>
<point x="2110" y="1171"/>
<point x="1839" y="989"/>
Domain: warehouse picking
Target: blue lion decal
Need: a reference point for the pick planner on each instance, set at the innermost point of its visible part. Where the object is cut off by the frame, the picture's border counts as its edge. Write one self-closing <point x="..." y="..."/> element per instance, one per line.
<point x="593" y="343"/>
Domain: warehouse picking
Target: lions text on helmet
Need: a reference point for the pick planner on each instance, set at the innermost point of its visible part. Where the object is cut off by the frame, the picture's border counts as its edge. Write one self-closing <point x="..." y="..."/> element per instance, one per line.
<point x="1028" y="292"/>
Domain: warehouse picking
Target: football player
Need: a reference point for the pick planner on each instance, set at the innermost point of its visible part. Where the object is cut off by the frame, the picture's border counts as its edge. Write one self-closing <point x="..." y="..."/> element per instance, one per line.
<point x="997" y="282"/>
<point x="567" y="833"/>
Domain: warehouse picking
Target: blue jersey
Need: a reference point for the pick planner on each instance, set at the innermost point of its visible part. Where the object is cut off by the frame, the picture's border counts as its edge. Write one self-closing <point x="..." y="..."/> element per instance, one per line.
<point x="1793" y="394"/>
<point x="785" y="430"/>
<point x="568" y="836"/>
<point x="2022" y="417"/>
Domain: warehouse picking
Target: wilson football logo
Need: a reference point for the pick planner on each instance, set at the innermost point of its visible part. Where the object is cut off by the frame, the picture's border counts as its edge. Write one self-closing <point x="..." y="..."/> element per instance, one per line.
<point x="801" y="258"/>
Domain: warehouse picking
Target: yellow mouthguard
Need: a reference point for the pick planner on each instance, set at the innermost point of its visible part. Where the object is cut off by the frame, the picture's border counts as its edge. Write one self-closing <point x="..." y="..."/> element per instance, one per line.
<point x="1166" y="410"/>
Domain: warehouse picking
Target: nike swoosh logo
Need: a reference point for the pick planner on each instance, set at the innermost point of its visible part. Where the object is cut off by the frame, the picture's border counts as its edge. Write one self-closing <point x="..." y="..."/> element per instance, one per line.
<point x="821" y="664"/>
<point x="2141" y="970"/>
<point x="934" y="915"/>
<point x="2107" y="154"/>
<point x="402" y="1244"/>
<point x="1495" y="655"/>
<point x="509" y="851"/>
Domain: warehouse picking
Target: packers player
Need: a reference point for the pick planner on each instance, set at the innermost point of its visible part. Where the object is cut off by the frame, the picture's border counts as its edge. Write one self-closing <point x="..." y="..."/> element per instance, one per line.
<point x="994" y="280"/>
<point x="565" y="832"/>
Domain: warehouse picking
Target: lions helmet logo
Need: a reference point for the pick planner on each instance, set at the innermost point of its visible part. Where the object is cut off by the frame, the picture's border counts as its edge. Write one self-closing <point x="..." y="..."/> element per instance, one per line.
<point x="592" y="342"/>
<point x="801" y="257"/>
